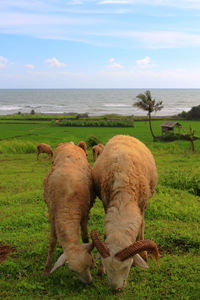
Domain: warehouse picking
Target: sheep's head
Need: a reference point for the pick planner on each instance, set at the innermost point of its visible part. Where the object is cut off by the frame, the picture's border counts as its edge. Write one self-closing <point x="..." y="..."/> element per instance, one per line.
<point x="118" y="265"/>
<point x="79" y="261"/>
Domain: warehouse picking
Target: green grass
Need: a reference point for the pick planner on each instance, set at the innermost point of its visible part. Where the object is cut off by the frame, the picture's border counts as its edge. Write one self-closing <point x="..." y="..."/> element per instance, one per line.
<point x="172" y="218"/>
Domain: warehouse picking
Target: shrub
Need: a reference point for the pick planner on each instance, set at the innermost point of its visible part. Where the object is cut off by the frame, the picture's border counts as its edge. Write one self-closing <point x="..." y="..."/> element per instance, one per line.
<point x="95" y="123"/>
<point x="173" y="137"/>
<point x="32" y="112"/>
<point x="193" y="114"/>
<point x="92" y="141"/>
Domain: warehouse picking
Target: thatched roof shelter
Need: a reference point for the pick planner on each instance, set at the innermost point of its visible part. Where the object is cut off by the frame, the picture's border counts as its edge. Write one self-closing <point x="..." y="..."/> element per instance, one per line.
<point x="169" y="126"/>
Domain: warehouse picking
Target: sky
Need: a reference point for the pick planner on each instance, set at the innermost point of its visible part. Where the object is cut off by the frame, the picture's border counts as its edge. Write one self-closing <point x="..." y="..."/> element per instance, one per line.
<point x="100" y="44"/>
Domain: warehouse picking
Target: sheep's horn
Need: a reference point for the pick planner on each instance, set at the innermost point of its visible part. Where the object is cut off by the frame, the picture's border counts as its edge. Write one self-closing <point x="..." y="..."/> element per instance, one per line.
<point x="61" y="260"/>
<point x="137" y="247"/>
<point x="101" y="247"/>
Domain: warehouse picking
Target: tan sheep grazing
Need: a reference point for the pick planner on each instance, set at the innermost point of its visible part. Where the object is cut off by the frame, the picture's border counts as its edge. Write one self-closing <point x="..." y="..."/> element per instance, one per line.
<point x="83" y="145"/>
<point x="97" y="150"/>
<point x="125" y="177"/>
<point x="44" y="148"/>
<point x="68" y="192"/>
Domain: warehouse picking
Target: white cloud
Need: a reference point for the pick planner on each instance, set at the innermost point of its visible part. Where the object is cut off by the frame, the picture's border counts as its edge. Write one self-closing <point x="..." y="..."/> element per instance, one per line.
<point x="114" y="64"/>
<point x="192" y="4"/>
<point x="145" y="62"/>
<point x="108" y="78"/>
<point x="152" y="39"/>
<point x="111" y="60"/>
<point x="54" y="62"/>
<point x="10" y="19"/>
<point x="29" y="66"/>
<point x="3" y="62"/>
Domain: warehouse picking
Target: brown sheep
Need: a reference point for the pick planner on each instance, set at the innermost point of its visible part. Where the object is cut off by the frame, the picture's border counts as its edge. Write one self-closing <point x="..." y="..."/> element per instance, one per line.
<point x="97" y="150"/>
<point x="83" y="145"/>
<point x="68" y="192"/>
<point x="125" y="177"/>
<point x="44" y="148"/>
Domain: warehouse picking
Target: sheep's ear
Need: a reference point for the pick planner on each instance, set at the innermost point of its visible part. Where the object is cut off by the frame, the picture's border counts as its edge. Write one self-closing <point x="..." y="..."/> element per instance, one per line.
<point x="139" y="261"/>
<point x="61" y="260"/>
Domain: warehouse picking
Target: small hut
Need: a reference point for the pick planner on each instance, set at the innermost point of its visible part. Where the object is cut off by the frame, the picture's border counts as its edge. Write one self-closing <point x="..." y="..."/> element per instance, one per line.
<point x="169" y="126"/>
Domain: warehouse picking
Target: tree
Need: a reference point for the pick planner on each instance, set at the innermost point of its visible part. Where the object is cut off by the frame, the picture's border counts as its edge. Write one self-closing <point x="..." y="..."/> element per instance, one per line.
<point x="148" y="104"/>
<point x="32" y="112"/>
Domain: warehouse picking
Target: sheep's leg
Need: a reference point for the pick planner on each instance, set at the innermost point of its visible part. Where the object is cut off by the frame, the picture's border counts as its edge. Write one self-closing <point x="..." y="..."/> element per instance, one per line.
<point x="101" y="270"/>
<point x="52" y="244"/>
<point x="84" y="230"/>
<point x="38" y="153"/>
<point x="85" y="237"/>
<point x="143" y="254"/>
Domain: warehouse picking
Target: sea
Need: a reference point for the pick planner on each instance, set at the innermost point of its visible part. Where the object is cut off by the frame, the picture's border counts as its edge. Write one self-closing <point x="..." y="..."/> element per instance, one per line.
<point x="94" y="102"/>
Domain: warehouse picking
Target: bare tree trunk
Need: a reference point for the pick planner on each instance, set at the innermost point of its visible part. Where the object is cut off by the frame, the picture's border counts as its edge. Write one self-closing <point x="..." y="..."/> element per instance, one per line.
<point x="192" y="145"/>
<point x="151" y="127"/>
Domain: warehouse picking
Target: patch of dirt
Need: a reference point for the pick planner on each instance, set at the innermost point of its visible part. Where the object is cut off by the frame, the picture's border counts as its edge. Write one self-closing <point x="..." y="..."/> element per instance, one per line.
<point x="4" y="251"/>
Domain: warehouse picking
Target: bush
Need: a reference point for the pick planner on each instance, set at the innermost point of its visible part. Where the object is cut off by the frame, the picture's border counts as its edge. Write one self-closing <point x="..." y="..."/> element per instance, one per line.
<point x="32" y="112"/>
<point x="193" y="114"/>
<point x="173" y="137"/>
<point x="92" y="141"/>
<point x="95" y="123"/>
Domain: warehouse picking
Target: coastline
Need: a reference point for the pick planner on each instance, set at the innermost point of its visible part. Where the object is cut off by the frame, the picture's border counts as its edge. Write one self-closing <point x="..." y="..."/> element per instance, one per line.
<point x="94" y="102"/>
<point x="83" y="116"/>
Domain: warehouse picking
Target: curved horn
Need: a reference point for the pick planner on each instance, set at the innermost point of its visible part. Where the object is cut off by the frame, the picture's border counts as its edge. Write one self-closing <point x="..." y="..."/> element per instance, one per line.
<point x="101" y="247"/>
<point x="137" y="247"/>
<point x="61" y="260"/>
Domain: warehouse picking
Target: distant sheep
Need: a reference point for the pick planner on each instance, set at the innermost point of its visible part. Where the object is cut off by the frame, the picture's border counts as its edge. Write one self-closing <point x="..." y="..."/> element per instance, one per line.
<point x="97" y="150"/>
<point x="83" y="145"/>
<point x="68" y="192"/>
<point x="44" y="148"/>
<point x="125" y="177"/>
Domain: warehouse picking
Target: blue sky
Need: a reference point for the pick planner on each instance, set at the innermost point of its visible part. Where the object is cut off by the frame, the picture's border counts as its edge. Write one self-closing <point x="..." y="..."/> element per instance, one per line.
<point x="100" y="44"/>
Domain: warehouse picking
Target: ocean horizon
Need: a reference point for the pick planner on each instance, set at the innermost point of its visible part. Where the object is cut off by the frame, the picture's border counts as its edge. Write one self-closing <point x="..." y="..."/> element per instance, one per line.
<point x="94" y="102"/>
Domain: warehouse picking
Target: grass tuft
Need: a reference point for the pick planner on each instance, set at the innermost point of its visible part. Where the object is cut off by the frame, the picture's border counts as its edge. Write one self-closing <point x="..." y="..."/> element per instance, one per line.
<point x="17" y="146"/>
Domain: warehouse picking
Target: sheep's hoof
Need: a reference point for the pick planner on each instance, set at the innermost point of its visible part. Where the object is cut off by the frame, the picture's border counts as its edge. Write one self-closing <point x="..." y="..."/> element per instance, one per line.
<point x="93" y="263"/>
<point x="46" y="272"/>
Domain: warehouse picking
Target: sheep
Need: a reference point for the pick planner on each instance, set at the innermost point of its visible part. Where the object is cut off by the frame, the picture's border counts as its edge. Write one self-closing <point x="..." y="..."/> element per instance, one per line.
<point x="68" y="192"/>
<point x="97" y="150"/>
<point x="125" y="177"/>
<point x="44" y="148"/>
<point x="83" y="145"/>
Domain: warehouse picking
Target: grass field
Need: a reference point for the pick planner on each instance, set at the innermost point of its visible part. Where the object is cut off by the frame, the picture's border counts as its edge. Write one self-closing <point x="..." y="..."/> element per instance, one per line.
<point x="172" y="217"/>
